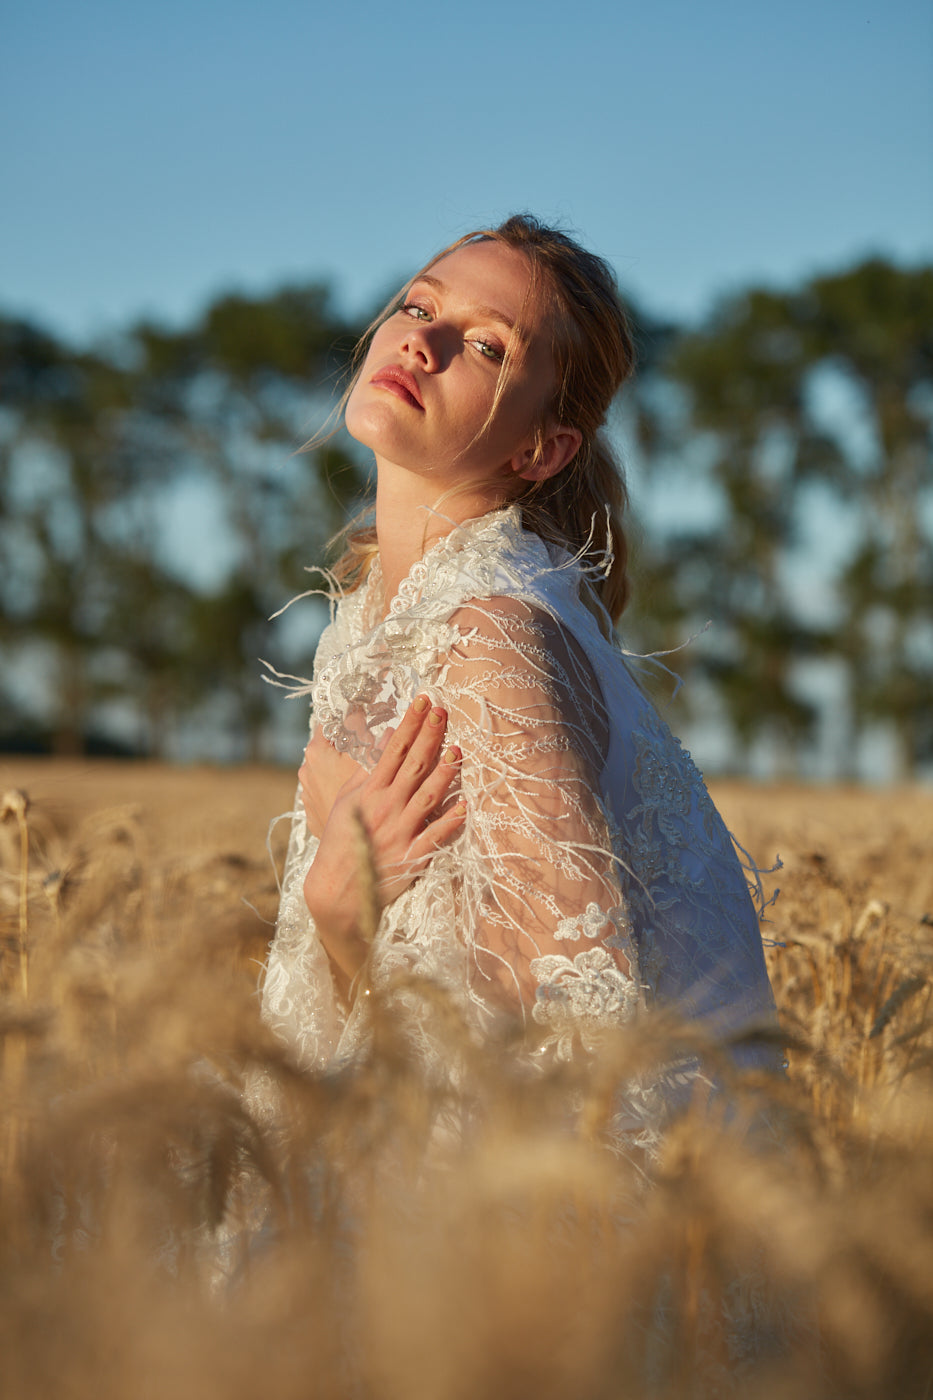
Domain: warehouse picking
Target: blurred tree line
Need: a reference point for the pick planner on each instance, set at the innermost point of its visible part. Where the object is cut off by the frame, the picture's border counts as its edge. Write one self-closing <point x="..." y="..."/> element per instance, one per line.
<point x="782" y="461"/>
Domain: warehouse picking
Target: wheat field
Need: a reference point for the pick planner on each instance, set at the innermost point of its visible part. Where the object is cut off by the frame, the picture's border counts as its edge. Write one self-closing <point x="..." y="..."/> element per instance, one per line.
<point x="158" y="1237"/>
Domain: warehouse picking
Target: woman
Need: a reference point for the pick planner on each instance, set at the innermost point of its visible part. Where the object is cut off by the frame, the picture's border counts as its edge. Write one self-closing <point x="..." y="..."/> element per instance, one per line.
<point x="542" y="846"/>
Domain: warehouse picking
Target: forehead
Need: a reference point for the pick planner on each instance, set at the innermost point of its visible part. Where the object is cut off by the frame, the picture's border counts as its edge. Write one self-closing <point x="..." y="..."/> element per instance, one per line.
<point x="492" y="278"/>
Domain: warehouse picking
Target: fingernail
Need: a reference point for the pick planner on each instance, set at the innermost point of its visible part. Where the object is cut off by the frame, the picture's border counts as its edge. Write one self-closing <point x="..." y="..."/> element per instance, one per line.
<point x="451" y="755"/>
<point x="460" y="809"/>
<point x="437" y="717"/>
<point x="421" y="704"/>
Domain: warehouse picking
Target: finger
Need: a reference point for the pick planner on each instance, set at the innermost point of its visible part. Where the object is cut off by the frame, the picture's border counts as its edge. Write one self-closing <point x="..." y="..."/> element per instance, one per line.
<point x="423" y="756"/>
<point x="437" y="833"/>
<point x="398" y="747"/>
<point x="427" y="795"/>
<point x="315" y="744"/>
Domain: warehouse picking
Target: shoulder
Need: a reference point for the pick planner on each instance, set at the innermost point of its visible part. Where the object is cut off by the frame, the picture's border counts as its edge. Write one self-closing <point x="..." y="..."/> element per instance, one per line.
<point x="514" y="622"/>
<point x="491" y="556"/>
<point x="513" y="659"/>
<point x="490" y="575"/>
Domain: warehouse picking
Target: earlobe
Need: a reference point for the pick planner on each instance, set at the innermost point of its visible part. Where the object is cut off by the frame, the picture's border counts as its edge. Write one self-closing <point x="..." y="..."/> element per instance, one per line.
<point x="559" y="447"/>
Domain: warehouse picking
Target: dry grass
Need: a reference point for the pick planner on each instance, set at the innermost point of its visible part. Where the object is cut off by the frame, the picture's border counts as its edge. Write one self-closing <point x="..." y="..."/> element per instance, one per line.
<point x="422" y="1242"/>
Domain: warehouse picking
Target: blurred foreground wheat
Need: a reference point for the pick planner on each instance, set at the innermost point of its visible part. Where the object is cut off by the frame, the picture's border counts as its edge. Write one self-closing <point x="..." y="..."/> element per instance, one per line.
<point x="420" y="1243"/>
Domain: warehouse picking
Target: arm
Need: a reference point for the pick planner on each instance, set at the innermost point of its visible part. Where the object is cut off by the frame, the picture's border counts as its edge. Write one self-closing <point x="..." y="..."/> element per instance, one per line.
<point x="542" y="907"/>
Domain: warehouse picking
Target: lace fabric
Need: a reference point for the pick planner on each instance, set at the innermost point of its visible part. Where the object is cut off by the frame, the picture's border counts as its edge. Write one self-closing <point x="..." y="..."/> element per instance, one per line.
<point x="593" y="876"/>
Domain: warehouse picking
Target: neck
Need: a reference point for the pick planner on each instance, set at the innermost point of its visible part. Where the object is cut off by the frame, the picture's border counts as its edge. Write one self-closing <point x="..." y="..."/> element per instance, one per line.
<point x="411" y="515"/>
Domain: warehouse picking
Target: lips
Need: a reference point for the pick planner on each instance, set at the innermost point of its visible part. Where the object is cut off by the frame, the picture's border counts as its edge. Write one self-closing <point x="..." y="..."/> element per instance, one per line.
<point x="400" y="382"/>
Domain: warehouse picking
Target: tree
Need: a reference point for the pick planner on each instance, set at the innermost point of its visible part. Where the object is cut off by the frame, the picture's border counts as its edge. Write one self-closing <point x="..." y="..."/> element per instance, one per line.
<point x="752" y="377"/>
<point x="875" y="324"/>
<point x="93" y="443"/>
<point x="66" y="465"/>
<point x="241" y="387"/>
<point x="746" y="376"/>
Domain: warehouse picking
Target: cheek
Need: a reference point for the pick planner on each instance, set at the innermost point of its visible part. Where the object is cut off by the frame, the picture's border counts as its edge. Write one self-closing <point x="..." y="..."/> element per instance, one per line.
<point x="358" y="412"/>
<point x="514" y="424"/>
<point x="354" y="413"/>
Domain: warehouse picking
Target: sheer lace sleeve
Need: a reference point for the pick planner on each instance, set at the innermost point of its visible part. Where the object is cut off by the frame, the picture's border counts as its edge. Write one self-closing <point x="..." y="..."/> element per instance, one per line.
<point x="542" y="912"/>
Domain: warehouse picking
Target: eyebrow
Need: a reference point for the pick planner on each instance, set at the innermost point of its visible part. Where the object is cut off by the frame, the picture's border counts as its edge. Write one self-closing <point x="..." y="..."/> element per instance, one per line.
<point x="484" y="312"/>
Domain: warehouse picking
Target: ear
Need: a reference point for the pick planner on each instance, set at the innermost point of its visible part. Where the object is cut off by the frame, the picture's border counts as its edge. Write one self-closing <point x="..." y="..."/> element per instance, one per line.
<point x="559" y="447"/>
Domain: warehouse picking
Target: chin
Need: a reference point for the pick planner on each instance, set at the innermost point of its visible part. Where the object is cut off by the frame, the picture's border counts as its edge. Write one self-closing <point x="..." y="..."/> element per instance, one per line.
<point x="367" y="426"/>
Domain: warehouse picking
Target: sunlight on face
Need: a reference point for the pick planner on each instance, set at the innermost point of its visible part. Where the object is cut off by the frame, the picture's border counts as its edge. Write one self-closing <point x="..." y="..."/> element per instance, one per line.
<point x="429" y="382"/>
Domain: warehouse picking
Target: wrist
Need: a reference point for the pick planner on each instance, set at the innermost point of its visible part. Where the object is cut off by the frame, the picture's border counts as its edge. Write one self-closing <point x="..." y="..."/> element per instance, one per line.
<point x="338" y="926"/>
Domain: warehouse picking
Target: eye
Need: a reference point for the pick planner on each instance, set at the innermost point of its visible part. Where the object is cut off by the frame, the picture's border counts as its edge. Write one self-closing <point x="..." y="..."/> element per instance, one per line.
<point x="416" y="312"/>
<point x="490" y="350"/>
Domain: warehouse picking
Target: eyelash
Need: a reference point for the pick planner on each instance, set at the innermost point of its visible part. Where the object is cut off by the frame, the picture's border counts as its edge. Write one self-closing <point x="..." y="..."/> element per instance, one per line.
<point x="486" y="348"/>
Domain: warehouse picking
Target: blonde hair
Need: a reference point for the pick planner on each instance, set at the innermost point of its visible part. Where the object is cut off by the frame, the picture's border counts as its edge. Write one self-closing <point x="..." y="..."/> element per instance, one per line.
<point x="593" y="355"/>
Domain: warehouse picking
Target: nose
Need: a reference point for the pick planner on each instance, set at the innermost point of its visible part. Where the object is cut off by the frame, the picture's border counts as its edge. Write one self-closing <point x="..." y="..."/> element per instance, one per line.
<point x="422" y="341"/>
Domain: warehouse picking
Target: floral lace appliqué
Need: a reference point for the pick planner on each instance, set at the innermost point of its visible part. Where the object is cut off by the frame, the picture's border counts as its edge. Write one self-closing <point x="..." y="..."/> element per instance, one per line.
<point x="593" y="922"/>
<point x="577" y="997"/>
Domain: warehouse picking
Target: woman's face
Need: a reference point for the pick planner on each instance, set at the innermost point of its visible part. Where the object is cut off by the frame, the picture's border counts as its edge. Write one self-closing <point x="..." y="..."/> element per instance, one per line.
<point x="429" y="379"/>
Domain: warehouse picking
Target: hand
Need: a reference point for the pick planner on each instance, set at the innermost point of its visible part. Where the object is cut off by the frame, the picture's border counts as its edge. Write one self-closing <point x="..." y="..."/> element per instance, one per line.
<point x="321" y="776"/>
<point x="397" y="804"/>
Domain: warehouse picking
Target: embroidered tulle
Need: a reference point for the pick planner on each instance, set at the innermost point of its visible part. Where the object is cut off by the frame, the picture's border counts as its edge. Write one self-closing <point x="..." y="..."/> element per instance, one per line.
<point x="594" y="875"/>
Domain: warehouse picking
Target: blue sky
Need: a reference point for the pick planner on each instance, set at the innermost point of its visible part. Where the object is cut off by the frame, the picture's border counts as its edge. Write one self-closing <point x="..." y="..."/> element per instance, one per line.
<point x="154" y="155"/>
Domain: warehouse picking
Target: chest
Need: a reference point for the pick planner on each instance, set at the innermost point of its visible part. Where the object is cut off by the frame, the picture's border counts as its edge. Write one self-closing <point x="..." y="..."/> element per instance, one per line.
<point x="362" y="687"/>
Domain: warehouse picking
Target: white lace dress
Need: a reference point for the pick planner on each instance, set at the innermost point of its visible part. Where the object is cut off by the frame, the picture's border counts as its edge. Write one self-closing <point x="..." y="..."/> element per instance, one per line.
<point x="593" y="877"/>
